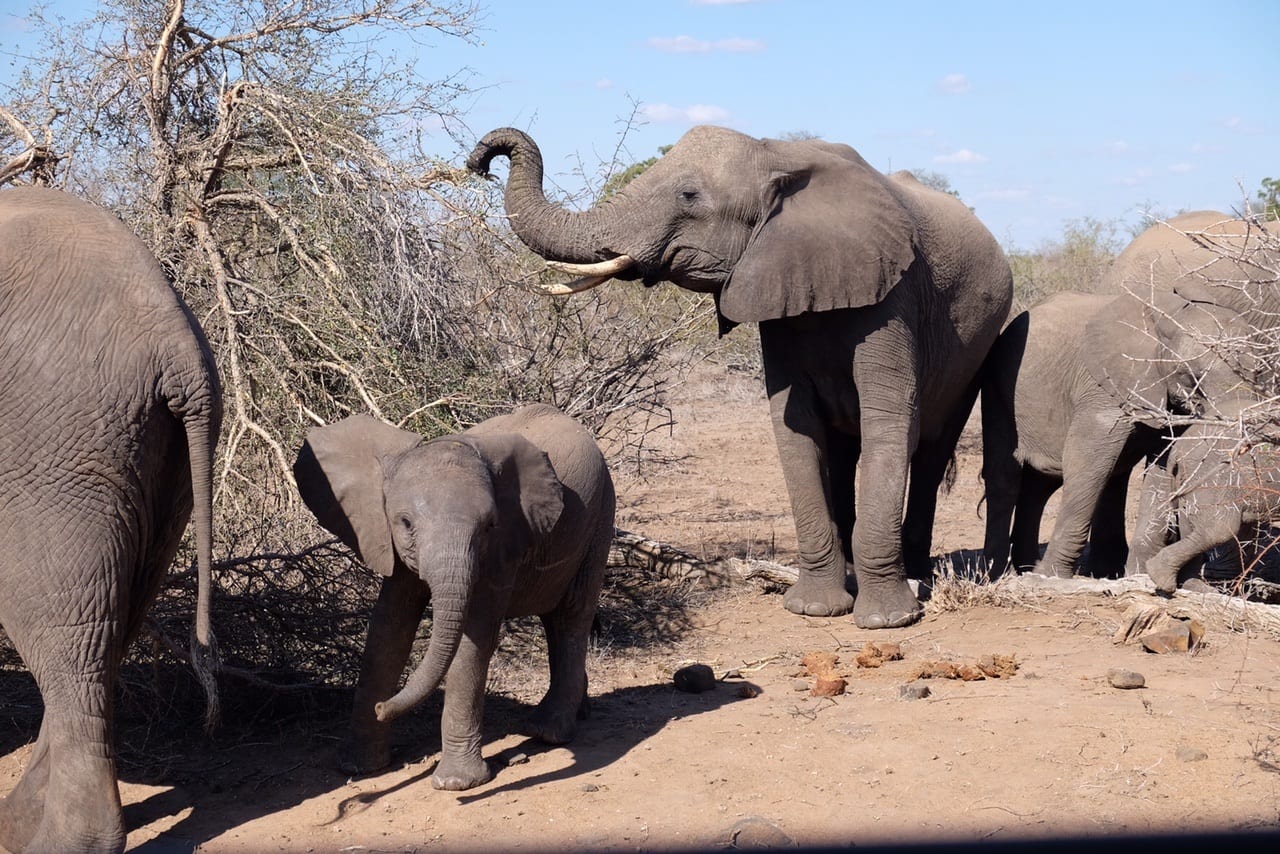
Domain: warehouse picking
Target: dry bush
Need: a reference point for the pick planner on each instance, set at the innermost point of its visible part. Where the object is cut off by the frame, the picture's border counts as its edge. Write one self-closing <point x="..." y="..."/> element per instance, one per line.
<point x="1077" y="262"/>
<point x="275" y="165"/>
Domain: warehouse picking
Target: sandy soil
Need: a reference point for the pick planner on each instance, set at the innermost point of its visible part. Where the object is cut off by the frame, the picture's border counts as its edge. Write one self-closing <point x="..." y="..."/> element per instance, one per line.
<point x="1052" y="750"/>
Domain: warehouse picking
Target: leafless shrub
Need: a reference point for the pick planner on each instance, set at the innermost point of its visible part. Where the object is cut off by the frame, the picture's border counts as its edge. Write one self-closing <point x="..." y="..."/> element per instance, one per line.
<point x="1227" y="453"/>
<point x="277" y="167"/>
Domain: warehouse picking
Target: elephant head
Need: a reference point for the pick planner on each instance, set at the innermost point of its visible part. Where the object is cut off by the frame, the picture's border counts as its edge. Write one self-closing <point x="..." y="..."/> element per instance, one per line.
<point x="726" y="213"/>
<point x="460" y="511"/>
<point x="1188" y="288"/>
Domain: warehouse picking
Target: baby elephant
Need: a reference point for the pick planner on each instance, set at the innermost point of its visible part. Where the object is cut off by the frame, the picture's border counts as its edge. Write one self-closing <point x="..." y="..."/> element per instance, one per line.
<point x="510" y="518"/>
<point x="1209" y="495"/>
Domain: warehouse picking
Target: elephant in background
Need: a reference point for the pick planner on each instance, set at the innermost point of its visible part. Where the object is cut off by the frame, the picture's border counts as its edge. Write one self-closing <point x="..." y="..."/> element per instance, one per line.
<point x="110" y="409"/>
<point x="513" y="517"/>
<point x="877" y="300"/>
<point x="1047" y="423"/>
<point x="1212" y="493"/>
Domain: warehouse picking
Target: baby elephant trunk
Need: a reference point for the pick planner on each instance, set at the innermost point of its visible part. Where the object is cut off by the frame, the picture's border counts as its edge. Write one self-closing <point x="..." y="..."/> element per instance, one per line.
<point x="449" y="606"/>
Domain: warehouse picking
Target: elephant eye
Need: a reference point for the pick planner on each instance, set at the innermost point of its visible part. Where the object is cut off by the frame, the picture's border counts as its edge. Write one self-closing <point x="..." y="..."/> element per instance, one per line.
<point x="406" y="523"/>
<point x="689" y="195"/>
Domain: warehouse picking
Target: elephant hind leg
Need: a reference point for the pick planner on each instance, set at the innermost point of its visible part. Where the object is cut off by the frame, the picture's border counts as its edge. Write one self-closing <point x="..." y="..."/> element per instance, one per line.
<point x="568" y="630"/>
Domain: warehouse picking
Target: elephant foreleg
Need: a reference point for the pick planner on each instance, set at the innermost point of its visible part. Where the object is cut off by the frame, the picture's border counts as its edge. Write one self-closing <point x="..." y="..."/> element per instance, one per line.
<point x="1156" y="524"/>
<point x="461" y="764"/>
<point x="1089" y="459"/>
<point x="392" y="626"/>
<point x="821" y="589"/>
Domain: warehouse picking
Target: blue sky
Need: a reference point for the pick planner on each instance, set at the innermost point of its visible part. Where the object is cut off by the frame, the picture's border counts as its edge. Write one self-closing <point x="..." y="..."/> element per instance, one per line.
<point x="1038" y="113"/>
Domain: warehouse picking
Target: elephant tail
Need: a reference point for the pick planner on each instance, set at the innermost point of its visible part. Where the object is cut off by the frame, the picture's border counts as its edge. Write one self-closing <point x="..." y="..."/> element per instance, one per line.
<point x="204" y="649"/>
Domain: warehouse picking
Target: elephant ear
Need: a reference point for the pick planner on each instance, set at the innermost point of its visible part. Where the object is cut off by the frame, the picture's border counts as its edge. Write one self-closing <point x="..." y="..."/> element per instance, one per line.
<point x="1123" y="351"/>
<point x="833" y="235"/>
<point x="528" y="492"/>
<point x="340" y="474"/>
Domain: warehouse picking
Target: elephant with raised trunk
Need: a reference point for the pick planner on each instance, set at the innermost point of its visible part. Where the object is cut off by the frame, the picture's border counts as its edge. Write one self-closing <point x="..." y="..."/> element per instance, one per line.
<point x="109" y="413"/>
<point x="511" y="518"/>
<point x="877" y="300"/>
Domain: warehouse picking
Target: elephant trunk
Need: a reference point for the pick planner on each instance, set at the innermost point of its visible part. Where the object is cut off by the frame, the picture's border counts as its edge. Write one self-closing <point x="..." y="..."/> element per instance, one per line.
<point x="550" y="230"/>
<point x="449" y="599"/>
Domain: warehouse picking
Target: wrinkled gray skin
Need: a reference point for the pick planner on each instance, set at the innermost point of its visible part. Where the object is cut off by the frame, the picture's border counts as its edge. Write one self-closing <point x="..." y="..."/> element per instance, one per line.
<point x="1047" y="423"/>
<point x="877" y="300"/>
<point x="109" y="411"/>
<point x="510" y="518"/>
<point x="1200" y="278"/>
<point x="1210" y="495"/>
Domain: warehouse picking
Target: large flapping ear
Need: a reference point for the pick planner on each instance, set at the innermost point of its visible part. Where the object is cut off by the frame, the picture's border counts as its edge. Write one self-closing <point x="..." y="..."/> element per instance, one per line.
<point x="340" y="473"/>
<point x="1123" y="351"/>
<point x="529" y="494"/>
<point x="833" y="235"/>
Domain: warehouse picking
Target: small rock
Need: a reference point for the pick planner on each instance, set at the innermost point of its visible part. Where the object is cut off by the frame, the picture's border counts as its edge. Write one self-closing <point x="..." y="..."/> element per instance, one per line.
<point x="799" y="685"/>
<point x="517" y="759"/>
<point x="1191" y="754"/>
<point x="756" y="832"/>
<point x="694" y="679"/>
<point x="1176" y="638"/>
<point x="590" y="787"/>
<point x="1125" y="678"/>
<point x="746" y="691"/>
<point x="914" y="691"/>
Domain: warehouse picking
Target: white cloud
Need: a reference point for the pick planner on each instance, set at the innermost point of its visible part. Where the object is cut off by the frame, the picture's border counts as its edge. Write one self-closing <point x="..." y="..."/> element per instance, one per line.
<point x="1117" y="148"/>
<point x="604" y="83"/>
<point x="964" y="155"/>
<point x="954" y="84"/>
<point x="698" y="114"/>
<point x="1181" y="168"/>
<point x="688" y="44"/>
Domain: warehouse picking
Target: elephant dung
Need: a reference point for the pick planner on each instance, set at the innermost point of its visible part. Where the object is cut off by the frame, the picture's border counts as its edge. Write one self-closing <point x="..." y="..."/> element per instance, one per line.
<point x="876" y="654"/>
<point x="817" y="662"/>
<point x="829" y="685"/>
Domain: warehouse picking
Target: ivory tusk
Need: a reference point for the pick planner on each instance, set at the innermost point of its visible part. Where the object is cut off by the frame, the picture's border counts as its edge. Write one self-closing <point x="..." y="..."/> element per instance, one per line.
<point x="601" y="268"/>
<point x="577" y="286"/>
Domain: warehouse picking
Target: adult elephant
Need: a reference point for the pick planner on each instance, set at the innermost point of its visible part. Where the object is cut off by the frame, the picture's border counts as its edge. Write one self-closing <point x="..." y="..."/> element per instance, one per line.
<point x="1200" y="303"/>
<point x="877" y="300"/>
<point x="109" y="412"/>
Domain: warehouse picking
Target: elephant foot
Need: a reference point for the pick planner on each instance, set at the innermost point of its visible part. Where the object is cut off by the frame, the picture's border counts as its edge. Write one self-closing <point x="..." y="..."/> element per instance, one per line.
<point x="455" y="774"/>
<point x="1053" y="570"/>
<point x="555" y="722"/>
<point x="18" y="822"/>
<point x="886" y="605"/>
<point x="358" y="759"/>
<point x="813" y="597"/>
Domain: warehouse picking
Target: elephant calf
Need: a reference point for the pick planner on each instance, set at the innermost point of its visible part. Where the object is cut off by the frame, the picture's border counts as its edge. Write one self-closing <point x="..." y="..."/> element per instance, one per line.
<point x="1047" y="423"/>
<point x="1210" y="495"/>
<point x="510" y="518"/>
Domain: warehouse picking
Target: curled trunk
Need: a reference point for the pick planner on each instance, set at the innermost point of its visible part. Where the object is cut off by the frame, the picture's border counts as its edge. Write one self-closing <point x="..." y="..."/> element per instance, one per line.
<point x="550" y="230"/>
<point x="448" y="610"/>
